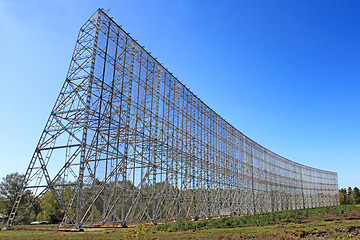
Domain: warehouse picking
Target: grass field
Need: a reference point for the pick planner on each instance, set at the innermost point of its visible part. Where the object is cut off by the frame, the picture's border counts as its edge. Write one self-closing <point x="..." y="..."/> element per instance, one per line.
<point x="340" y="222"/>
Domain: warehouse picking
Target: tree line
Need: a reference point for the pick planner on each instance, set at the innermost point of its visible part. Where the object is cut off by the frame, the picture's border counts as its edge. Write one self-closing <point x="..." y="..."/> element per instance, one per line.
<point x="349" y="195"/>
<point x="48" y="209"/>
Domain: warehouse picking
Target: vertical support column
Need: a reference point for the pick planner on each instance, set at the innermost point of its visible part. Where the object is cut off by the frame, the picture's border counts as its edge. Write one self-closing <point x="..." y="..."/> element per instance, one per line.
<point x="337" y="201"/>
<point x="156" y="116"/>
<point x="232" y="171"/>
<point x="182" y="151"/>
<point x="193" y="145"/>
<point x="200" y="167"/>
<point x="99" y="118"/>
<point x="109" y="153"/>
<point x="252" y="176"/>
<point x="127" y="132"/>
<point x="208" y="159"/>
<point x="177" y="150"/>
<point x="217" y="166"/>
<point x="245" y="174"/>
<point x="266" y="194"/>
<point x="302" y="187"/>
<point x="78" y="224"/>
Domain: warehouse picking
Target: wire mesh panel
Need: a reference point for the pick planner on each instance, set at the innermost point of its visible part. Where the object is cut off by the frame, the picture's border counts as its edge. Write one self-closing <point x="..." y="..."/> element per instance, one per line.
<point x="131" y="143"/>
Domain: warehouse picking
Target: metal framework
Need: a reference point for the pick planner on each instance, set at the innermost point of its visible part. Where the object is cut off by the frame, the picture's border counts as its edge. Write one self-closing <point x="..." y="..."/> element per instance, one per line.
<point x="133" y="144"/>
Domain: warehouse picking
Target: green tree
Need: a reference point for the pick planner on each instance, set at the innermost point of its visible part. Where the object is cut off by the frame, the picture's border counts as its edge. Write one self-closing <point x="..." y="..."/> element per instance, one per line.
<point x="355" y="195"/>
<point x="9" y="188"/>
<point x="342" y="196"/>
<point x="348" y="197"/>
<point x="51" y="210"/>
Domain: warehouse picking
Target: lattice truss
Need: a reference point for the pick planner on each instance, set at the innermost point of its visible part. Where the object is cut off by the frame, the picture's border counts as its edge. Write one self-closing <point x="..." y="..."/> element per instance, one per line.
<point x="133" y="144"/>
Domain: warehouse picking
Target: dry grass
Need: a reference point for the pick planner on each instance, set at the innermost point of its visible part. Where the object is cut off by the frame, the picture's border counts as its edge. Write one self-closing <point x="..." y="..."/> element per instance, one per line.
<point x="342" y="222"/>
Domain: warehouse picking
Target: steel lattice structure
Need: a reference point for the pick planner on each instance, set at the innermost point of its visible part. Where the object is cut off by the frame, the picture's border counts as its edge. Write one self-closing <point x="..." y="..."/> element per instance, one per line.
<point x="134" y="144"/>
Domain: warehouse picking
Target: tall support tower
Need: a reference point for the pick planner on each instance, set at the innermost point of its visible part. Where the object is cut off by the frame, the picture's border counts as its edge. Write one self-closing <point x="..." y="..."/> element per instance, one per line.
<point x="127" y="142"/>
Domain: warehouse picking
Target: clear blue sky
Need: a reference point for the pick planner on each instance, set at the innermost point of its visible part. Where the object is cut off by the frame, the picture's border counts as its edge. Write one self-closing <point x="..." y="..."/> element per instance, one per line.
<point x="285" y="73"/>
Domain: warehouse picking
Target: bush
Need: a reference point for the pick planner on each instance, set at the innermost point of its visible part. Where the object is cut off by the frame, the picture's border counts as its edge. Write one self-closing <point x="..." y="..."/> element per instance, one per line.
<point x="140" y="232"/>
<point x="260" y="219"/>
